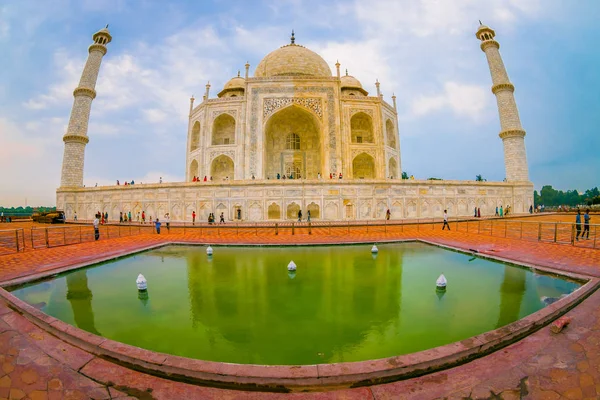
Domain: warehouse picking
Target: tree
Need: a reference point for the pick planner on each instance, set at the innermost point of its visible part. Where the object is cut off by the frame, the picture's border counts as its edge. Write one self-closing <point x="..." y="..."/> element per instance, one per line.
<point x="479" y="178"/>
<point x="404" y="175"/>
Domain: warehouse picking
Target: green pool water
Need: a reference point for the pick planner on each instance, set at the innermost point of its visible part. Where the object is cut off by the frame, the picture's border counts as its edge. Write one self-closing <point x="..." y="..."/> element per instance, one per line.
<point x="342" y="304"/>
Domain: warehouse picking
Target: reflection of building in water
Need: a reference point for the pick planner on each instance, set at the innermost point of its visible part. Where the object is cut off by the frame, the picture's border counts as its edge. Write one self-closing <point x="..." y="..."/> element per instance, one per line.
<point x="80" y="297"/>
<point x="511" y="295"/>
<point x="248" y="299"/>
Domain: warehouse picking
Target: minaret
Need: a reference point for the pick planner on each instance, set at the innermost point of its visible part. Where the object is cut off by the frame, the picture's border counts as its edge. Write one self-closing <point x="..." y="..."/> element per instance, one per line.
<point x="76" y="137"/>
<point x="511" y="131"/>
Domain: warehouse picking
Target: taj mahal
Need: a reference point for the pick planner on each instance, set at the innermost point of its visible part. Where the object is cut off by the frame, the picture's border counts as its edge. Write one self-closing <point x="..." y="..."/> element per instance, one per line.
<point x="294" y="136"/>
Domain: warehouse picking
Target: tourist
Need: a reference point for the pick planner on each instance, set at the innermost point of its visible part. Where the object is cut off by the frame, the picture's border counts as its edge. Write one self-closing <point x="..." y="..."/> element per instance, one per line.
<point x="330" y="175"/>
<point x="308" y="216"/>
<point x="299" y="215"/>
<point x="193" y="217"/>
<point x="143" y="217"/>
<point x="578" y="224"/>
<point x="74" y="217"/>
<point x="96" y="227"/>
<point x="586" y="225"/>
<point x="168" y="222"/>
<point x="284" y="177"/>
<point x="318" y="175"/>
<point x="445" y="220"/>
<point x="496" y="212"/>
<point x="530" y="209"/>
<point x="157" y="223"/>
<point x="475" y="212"/>
<point x="138" y="217"/>
<point x="501" y="211"/>
<point x="222" y="219"/>
<point x="340" y="175"/>
<point x="129" y="216"/>
<point x="204" y="178"/>
<point x="478" y="212"/>
<point x="160" y="180"/>
<point x="121" y="217"/>
<point x="211" y="178"/>
<point x="118" y="182"/>
<point x="132" y="182"/>
<point x="106" y="217"/>
<point x="278" y="176"/>
<point x="96" y="185"/>
<point x="102" y="219"/>
<point x="253" y="177"/>
<point x="388" y="214"/>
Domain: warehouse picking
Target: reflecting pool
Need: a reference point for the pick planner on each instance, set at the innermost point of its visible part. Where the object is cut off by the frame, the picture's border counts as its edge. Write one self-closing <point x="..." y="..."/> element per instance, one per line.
<point x="342" y="304"/>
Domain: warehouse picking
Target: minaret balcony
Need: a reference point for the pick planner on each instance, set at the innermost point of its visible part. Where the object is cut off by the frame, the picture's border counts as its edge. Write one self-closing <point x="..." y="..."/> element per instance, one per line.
<point x="509" y="87"/>
<point x="489" y="43"/>
<point x="83" y="91"/>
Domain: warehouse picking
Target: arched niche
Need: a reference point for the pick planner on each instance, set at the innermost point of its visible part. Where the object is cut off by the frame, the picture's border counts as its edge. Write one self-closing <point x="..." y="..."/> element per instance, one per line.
<point x="390" y="133"/>
<point x="195" y="140"/>
<point x="393" y="168"/>
<point x="223" y="132"/>
<point x="274" y="211"/>
<point x="292" y="211"/>
<point x="292" y="144"/>
<point x="361" y="127"/>
<point x="193" y="169"/>
<point x="222" y="168"/>
<point x="363" y="167"/>
<point x="315" y="210"/>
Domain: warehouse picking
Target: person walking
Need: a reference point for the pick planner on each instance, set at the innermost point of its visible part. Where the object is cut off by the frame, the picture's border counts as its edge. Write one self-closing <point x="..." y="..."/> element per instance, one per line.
<point x="129" y="216"/>
<point x="445" y="220"/>
<point x="157" y="223"/>
<point x="106" y="217"/>
<point x="121" y="217"/>
<point x="388" y="214"/>
<point x="578" y="224"/>
<point x="308" y="216"/>
<point x="530" y="209"/>
<point x="478" y="212"/>
<point x="501" y="212"/>
<point x="299" y="215"/>
<point x="193" y="217"/>
<point x="74" y="217"/>
<point x="143" y="217"/>
<point x="168" y="222"/>
<point x="138" y="217"/>
<point x="475" y="212"/>
<point x="97" y="227"/>
<point x="586" y="225"/>
<point x="495" y="215"/>
<point x="221" y="218"/>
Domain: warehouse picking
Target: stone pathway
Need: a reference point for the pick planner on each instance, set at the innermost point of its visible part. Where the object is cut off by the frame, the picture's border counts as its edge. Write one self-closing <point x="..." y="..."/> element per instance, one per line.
<point x="36" y="365"/>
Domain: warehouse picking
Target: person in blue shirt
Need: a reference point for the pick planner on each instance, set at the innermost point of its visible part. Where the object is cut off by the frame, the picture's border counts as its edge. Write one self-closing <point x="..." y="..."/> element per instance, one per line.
<point x="578" y="224"/>
<point x="157" y="223"/>
<point x="586" y="225"/>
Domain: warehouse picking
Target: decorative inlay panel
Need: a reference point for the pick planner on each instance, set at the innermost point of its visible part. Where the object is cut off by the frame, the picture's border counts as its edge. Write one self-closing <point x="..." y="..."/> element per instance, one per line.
<point x="216" y="113"/>
<point x="272" y="104"/>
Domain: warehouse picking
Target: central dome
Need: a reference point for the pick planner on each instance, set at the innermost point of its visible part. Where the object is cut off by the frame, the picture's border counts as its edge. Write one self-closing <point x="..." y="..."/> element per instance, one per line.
<point x="292" y="60"/>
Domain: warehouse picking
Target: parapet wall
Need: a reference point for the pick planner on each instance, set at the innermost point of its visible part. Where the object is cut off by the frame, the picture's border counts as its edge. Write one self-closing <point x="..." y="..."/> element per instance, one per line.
<point x="260" y="200"/>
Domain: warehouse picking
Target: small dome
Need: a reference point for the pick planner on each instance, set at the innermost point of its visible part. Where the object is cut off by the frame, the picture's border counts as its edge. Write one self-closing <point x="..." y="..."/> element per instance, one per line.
<point x="235" y="83"/>
<point x="348" y="81"/>
<point x="484" y="28"/>
<point x="292" y="60"/>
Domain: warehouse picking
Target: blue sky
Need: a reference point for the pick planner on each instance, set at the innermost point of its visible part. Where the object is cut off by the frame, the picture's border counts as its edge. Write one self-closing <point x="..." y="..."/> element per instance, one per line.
<point x="423" y="51"/>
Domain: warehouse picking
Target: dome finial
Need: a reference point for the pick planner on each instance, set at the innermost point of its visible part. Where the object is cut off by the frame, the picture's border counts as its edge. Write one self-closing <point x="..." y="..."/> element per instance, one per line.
<point x="480" y="23"/>
<point x="106" y="26"/>
<point x="238" y="73"/>
<point x="346" y="71"/>
<point x="293" y="39"/>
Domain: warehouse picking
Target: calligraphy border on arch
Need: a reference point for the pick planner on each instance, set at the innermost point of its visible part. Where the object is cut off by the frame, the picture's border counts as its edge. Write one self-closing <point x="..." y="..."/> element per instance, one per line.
<point x="272" y="104"/>
<point x="254" y="112"/>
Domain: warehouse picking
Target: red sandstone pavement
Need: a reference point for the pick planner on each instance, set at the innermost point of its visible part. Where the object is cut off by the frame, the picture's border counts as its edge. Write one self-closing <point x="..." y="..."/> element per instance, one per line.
<point x="37" y="365"/>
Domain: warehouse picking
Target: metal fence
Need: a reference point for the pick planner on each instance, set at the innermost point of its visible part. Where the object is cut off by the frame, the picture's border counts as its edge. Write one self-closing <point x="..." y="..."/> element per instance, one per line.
<point x="16" y="240"/>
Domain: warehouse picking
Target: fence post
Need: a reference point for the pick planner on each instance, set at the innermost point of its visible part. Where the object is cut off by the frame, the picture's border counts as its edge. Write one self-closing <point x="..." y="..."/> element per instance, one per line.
<point x="330" y="229"/>
<point x="367" y="226"/>
<point x="292" y="228"/>
<point x="348" y="226"/>
<point x="79" y="233"/>
<point x="47" y="238"/>
<point x="17" y="239"/>
<point x="505" y="227"/>
<point x="309" y="228"/>
<point x="491" y="227"/>
<point x="64" y="236"/>
<point x="107" y="232"/>
<point x="478" y="226"/>
<point x="276" y="229"/>
<point x="595" y="232"/>
<point x="32" y="246"/>
<point x="555" y="228"/>
<point x="256" y="228"/>
<point x="237" y="228"/>
<point x="572" y="234"/>
<point x="539" y="231"/>
<point x="521" y="235"/>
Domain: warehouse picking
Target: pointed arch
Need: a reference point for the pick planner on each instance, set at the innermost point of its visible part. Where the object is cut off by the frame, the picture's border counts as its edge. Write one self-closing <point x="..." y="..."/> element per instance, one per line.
<point x="363" y="167"/>
<point x="195" y="139"/>
<point x="315" y="210"/>
<point x="193" y="170"/>
<point x="274" y="211"/>
<point x="223" y="130"/>
<point x="392" y="168"/>
<point x="222" y="168"/>
<point x="292" y="211"/>
<point x="361" y="127"/>
<point x="390" y="133"/>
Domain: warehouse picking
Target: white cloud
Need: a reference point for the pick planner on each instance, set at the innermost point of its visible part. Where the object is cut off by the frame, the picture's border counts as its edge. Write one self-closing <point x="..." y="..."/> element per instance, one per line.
<point x="462" y="99"/>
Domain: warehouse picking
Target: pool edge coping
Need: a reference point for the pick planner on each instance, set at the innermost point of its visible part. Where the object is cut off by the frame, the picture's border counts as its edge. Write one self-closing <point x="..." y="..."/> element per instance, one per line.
<point x="286" y="378"/>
